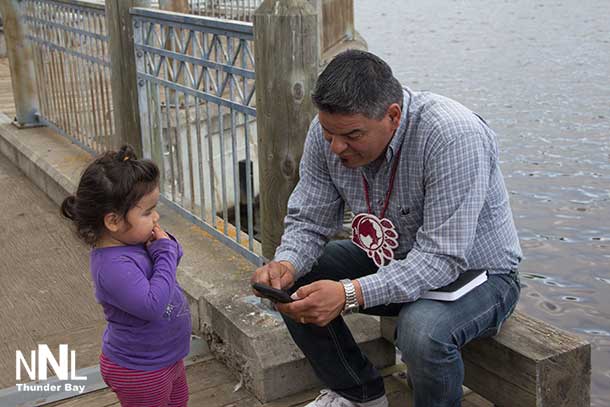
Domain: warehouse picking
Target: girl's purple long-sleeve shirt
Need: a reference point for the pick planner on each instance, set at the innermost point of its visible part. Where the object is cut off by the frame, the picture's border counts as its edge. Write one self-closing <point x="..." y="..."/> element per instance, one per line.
<point x="149" y="323"/>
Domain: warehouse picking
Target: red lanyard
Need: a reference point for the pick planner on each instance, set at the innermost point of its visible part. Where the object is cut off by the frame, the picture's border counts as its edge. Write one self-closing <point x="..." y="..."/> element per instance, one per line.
<point x="390" y="188"/>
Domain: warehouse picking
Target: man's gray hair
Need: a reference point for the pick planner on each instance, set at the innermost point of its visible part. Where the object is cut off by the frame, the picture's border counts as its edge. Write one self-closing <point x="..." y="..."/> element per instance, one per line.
<point x="357" y="82"/>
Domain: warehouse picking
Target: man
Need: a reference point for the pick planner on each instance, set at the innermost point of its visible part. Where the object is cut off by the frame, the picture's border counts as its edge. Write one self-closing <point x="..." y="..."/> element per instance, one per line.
<point x="421" y="172"/>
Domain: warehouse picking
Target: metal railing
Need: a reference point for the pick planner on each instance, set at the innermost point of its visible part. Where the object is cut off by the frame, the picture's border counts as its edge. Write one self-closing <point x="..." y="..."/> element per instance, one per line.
<point x="72" y="67"/>
<point x="196" y="99"/>
<point x="239" y="10"/>
<point x="226" y="9"/>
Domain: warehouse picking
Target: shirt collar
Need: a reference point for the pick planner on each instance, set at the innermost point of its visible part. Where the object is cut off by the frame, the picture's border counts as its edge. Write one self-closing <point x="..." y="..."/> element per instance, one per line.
<point x="399" y="134"/>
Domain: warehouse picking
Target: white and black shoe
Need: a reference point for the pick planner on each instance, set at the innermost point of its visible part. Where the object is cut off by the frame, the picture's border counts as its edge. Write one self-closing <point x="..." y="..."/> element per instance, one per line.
<point x="329" y="398"/>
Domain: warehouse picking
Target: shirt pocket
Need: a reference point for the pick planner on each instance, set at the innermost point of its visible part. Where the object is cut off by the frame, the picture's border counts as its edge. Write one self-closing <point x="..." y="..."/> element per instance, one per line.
<point x="409" y="221"/>
<point x="405" y="222"/>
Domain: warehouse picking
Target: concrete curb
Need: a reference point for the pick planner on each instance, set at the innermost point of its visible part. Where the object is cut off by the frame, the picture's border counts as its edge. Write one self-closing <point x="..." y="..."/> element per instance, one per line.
<point x="248" y="337"/>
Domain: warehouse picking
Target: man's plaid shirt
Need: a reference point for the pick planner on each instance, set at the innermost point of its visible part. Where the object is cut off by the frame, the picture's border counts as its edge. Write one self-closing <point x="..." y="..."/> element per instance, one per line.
<point x="449" y="205"/>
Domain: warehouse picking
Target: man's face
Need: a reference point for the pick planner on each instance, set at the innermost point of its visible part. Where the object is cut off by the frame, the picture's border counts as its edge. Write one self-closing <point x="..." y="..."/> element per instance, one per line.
<point x="356" y="139"/>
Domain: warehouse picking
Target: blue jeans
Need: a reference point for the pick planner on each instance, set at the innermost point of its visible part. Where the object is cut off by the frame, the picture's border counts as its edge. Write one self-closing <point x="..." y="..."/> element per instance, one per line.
<point x="429" y="333"/>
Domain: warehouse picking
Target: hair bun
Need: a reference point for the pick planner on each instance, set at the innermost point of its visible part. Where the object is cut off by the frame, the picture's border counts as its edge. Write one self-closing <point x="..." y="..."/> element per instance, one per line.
<point x="67" y="207"/>
<point x="126" y="152"/>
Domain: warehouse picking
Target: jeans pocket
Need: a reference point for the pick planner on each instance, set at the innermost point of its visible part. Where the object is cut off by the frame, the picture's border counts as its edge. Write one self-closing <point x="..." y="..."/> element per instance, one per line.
<point x="506" y="305"/>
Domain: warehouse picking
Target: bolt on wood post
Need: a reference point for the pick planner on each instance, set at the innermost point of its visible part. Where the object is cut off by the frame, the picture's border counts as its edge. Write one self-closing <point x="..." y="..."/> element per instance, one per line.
<point x="21" y="64"/>
<point x="286" y="57"/>
<point x="123" y="72"/>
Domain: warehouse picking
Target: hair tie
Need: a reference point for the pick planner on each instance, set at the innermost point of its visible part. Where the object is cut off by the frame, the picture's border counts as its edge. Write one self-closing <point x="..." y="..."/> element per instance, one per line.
<point x="126" y="158"/>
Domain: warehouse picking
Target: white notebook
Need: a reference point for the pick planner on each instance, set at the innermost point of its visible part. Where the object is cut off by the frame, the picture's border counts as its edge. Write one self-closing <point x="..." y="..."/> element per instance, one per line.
<point x="466" y="282"/>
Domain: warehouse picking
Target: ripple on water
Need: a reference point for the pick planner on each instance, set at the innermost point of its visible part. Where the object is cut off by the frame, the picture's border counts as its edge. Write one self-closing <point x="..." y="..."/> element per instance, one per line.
<point x="593" y="331"/>
<point x="550" y="281"/>
<point x="582" y="201"/>
<point x="602" y="279"/>
<point x="532" y="276"/>
<point x="575" y="217"/>
<point x="588" y="194"/>
<point x="543" y="237"/>
<point x="551" y="307"/>
<point x="540" y="174"/>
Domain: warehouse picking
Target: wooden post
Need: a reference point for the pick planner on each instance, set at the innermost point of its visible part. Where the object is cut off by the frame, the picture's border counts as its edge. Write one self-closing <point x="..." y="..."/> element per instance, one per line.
<point x="338" y="22"/>
<point x="123" y="72"/>
<point x="21" y="64"/>
<point x="317" y="5"/>
<point x="286" y="56"/>
<point x="177" y="6"/>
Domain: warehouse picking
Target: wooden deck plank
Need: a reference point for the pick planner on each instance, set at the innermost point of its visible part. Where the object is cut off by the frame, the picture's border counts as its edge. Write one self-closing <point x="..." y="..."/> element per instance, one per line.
<point x="211" y="384"/>
<point x="7" y="105"/>
<point x="46" y="295"/>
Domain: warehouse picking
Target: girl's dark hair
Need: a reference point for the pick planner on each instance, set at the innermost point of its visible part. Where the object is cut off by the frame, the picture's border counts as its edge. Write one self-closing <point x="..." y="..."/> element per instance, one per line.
<point x="114" y="182"/>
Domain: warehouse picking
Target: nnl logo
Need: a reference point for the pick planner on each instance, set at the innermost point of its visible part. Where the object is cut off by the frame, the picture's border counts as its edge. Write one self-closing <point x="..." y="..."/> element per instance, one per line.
<point x="65" y="365"/>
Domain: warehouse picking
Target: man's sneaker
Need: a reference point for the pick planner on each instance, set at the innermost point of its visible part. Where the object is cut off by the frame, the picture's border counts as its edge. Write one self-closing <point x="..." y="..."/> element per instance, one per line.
<point x="329" y="398"/>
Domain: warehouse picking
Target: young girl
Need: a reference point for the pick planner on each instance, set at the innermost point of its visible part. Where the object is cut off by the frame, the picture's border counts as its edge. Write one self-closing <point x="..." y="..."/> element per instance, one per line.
<point x="133" y="266"/>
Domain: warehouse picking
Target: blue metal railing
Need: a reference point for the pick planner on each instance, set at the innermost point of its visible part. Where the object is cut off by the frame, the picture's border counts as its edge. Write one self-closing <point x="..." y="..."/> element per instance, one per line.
<point x="72" y="65"/>
<point x="196" y="99"/>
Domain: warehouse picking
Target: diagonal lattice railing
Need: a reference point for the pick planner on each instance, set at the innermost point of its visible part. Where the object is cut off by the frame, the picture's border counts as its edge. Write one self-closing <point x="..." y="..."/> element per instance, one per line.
<point x="72" y="67"/>
<point x="226" y="9"/>
<point x="196" y="99"/>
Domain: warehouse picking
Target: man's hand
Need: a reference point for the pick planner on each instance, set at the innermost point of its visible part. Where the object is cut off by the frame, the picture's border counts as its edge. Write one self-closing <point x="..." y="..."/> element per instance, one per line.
<point x="318" y="303"/>
<point x="278" y="275"/>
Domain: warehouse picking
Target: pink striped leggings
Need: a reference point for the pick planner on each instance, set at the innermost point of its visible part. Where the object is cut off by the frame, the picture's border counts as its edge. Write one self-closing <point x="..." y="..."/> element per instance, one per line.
<point x="138" y="388"/>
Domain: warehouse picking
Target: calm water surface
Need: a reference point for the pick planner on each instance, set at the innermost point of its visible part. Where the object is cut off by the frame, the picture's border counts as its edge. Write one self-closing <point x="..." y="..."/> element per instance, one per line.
<point x="539" y="72"/>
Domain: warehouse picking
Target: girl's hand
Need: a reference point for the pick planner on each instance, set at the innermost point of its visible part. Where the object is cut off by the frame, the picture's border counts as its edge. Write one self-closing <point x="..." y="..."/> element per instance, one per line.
<point x="157" y="233"/>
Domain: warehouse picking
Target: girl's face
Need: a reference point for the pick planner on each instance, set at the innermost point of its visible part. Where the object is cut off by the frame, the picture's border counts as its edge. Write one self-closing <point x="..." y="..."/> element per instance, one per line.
<point x="138" y="225"/>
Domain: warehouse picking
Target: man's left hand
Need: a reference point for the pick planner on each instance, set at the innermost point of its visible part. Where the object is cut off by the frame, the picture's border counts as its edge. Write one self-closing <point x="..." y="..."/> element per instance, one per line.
<point x="318" y="303"/>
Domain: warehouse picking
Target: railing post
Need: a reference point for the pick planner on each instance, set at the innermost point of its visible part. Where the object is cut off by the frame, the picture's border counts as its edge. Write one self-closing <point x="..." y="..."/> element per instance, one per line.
<point x="177" y="6"/>
<point x="286" y="56"/>
<point x="21" y="64"/>
<point x="123" y="72"/>
<point x="317" y="6"/>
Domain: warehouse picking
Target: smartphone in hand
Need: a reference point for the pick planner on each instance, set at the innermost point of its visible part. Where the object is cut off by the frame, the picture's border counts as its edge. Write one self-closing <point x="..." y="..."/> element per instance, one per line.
<point x="272" y="293"/>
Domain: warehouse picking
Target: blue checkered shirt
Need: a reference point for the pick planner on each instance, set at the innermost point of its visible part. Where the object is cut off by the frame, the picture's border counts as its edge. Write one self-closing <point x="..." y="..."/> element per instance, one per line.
<point x="449" y="205"/>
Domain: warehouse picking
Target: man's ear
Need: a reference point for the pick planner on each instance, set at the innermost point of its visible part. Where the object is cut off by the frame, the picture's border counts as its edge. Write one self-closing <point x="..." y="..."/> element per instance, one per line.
<point x="395" y="112"/>
<point x="113" y="222"/>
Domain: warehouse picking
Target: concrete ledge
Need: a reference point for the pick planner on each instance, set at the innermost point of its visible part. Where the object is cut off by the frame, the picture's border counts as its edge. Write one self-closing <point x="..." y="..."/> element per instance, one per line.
<point x="245" y="335"/>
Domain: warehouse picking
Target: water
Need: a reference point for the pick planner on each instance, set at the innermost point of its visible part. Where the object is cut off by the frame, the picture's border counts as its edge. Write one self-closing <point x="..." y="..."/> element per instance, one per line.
<point x="539" y="72"/>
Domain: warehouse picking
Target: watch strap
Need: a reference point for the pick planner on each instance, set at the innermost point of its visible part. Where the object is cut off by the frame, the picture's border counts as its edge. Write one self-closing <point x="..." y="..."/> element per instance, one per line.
<point x="351" y="301"/>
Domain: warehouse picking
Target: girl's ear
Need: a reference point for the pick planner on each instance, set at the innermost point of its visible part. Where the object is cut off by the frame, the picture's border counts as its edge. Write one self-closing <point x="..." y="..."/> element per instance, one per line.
<point x="113" y="222"/>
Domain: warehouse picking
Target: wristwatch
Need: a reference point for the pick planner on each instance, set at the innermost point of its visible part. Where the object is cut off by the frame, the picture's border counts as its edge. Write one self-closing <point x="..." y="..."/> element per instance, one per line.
<point x="351" y="302"/>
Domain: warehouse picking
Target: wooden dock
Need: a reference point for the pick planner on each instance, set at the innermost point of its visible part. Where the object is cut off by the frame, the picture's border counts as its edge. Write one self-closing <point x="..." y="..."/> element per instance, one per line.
<point x="212" y="385"/>
<point x="46" y="296"/>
